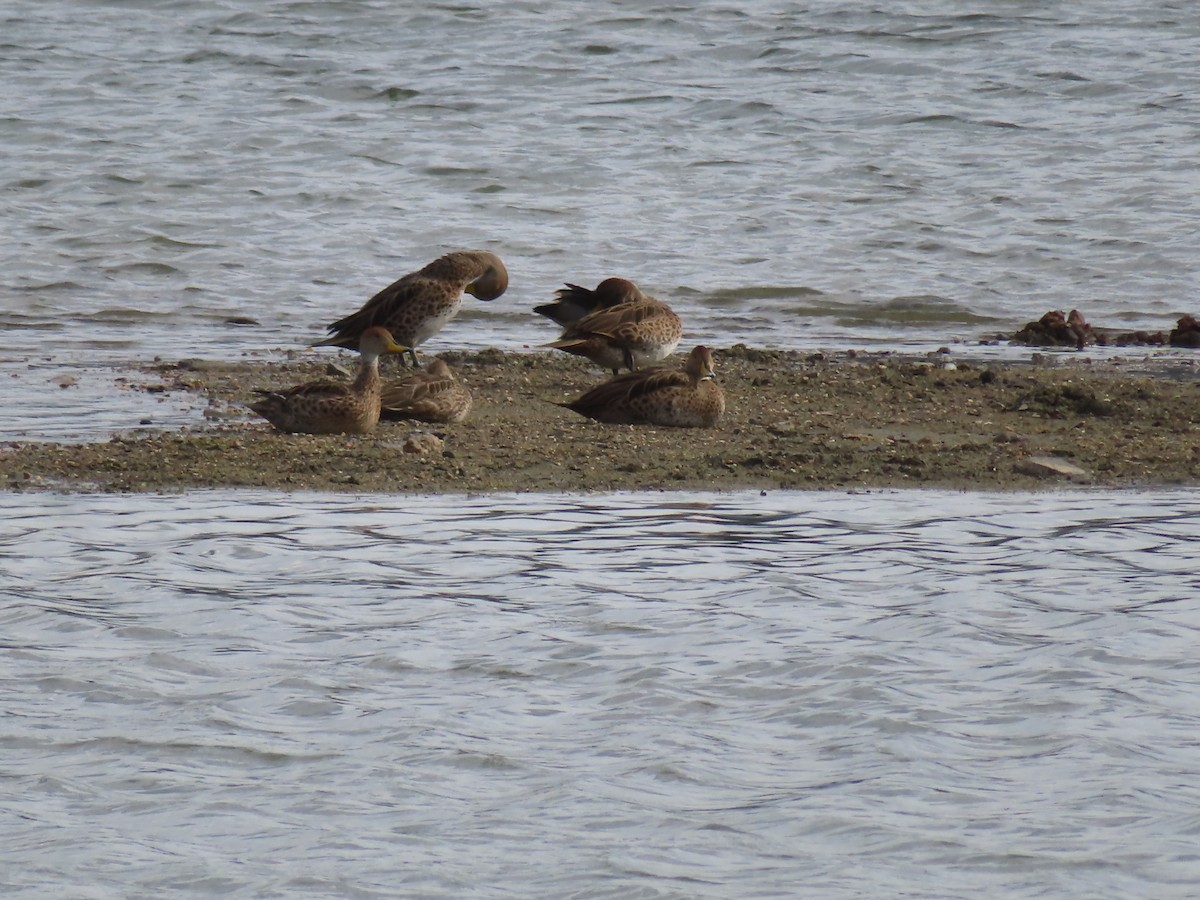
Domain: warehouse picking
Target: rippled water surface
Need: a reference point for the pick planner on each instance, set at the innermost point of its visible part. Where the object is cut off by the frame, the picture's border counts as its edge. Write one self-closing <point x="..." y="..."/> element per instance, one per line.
<point x="836" y="695"/>
<point x="633" y="696"/>
<point x="783" y="174"/>
<point x="826" y="174"/>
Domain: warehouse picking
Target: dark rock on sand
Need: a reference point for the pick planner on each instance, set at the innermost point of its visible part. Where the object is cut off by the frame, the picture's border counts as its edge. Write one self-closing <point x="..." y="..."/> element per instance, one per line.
<point x="1186" y="333"/>
<point x="1057" y="330"/>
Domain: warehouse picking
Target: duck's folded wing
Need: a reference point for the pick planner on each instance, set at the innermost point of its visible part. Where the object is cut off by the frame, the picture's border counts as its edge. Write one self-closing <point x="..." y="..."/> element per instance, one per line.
<point x="314" y="390"/>
<point x="376" y="310"/>
<point x="655" y="380"/>
<point x="412" y="390"/>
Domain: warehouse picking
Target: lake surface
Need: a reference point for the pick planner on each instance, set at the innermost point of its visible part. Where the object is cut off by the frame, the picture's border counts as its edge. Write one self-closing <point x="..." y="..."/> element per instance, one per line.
<point x="819" y="176"/>
<point x="737" y="695"/>
<point x="254" y="694"/>
<point x="783" y="175"/>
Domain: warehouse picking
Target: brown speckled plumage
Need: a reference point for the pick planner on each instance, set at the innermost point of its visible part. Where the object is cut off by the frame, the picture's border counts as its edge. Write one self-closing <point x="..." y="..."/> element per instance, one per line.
<point x="690" y="398"/>
<point x="630" y="334"/>
<point x="417" y="306"/>
<point x="573" y="302"/>
<point x="331" y="407"/>
<point x="434" y="395"/>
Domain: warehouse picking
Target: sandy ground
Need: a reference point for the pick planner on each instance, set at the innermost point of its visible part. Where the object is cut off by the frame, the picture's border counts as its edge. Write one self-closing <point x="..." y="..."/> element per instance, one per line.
<point x="794" y="420"/>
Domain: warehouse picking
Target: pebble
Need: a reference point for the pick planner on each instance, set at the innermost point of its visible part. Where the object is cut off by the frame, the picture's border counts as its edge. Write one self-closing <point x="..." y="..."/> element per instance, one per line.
<point x="1051" y="467"/>
<point x="422" y="443"/>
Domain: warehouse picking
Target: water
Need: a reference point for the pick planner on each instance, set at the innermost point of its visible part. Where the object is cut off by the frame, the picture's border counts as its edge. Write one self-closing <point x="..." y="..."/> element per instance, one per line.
<point x="832" y="175"/>
<point x="833" y="695"/>
<point x="783" y="175"/>
<point x="830" y="695"/>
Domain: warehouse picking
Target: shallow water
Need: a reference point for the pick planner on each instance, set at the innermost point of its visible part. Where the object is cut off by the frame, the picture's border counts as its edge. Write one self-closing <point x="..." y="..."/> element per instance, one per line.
<point x="830" y="176"/>
<point x="736" y="695"/>
<point x="782" y="175"/>
<point x="635" y="696"/>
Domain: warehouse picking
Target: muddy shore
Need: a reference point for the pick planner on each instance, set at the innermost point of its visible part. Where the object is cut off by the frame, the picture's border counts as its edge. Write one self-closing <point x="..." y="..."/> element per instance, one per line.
<point x="794" y="420"/>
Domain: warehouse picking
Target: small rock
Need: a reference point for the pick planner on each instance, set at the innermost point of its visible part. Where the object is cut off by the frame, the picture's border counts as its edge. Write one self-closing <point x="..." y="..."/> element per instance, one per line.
<point x="423" y="443"/>
<point x="1056" y="330"/>
<point x="1050" y="467"/>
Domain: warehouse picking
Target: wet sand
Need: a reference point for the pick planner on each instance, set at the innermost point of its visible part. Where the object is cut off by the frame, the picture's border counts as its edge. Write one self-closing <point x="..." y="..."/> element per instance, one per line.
<point x="794" y="420"/>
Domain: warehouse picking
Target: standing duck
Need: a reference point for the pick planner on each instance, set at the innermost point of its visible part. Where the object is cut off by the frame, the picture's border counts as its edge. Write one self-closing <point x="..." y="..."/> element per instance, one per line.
<point x="631" y="333"/>
<point x="417" y="306"/>
<point x="573" y="302"/>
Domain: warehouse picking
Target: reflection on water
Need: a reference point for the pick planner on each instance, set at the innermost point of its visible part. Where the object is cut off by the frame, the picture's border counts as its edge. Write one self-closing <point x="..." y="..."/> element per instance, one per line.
<point x="618" y="695"/>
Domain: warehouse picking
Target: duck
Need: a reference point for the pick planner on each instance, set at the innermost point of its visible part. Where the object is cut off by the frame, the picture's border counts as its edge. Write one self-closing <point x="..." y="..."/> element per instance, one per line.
<point x="684" y="398"/>
<point x="331" y="407"/>
<point x="432" y="395"/>
<point x="629" y="334"/>
<point x="573" y="302"/>
<point x="418" y="305"/>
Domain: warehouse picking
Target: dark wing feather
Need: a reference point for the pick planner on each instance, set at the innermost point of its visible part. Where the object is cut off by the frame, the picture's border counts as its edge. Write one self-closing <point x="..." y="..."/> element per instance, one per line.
<point x="654" y="380"/>
<point x="346" y="331"/>
<point x="612" y="396"/>
<point x="313" y="390"/>
<point x="573" y="303"/>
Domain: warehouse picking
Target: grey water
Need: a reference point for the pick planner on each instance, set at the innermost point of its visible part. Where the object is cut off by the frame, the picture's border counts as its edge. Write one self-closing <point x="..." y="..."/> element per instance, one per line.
<point x="782" y="174"/>
<point x="927" y="695"/>
<point x="669" y="695"/>
<point x="912" y="176"/>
